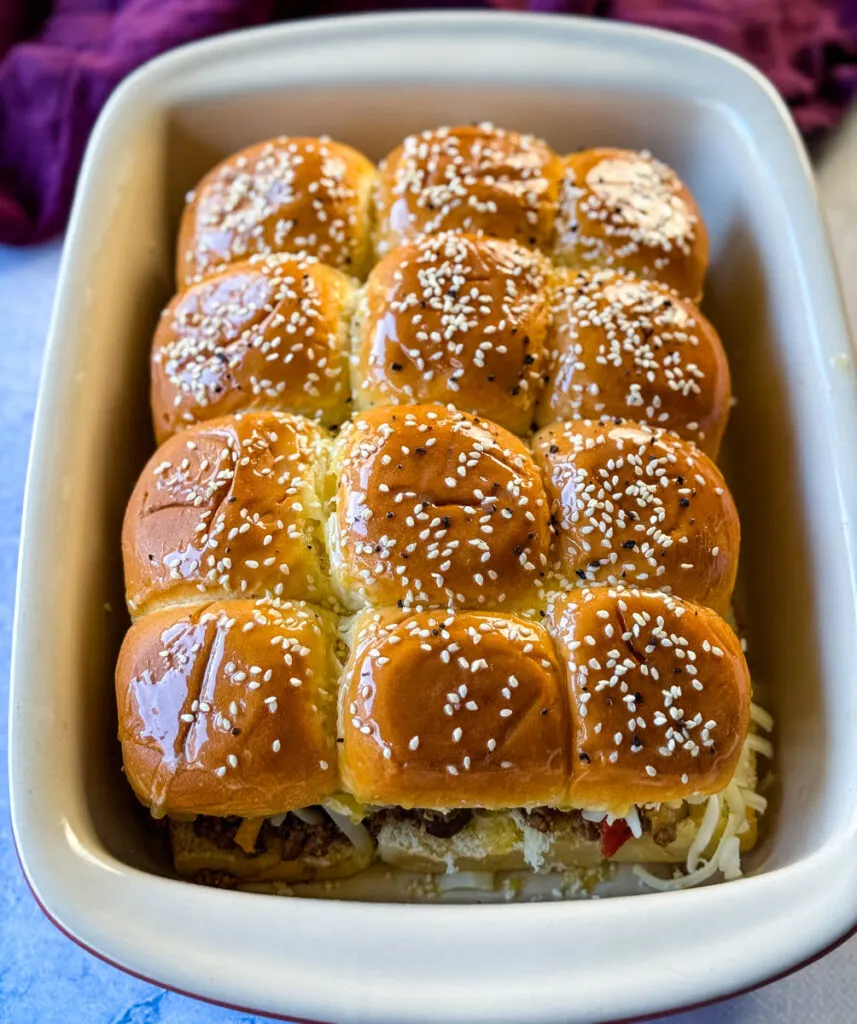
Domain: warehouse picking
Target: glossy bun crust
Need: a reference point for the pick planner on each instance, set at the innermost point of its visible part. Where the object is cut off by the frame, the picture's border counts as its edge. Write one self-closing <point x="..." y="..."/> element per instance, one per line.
<point x="474" y="178"/>
<point x="659" y="695"/>
<point x="268" y="333"/>
<point x="435" y="506"/>
<point x="363" y="589"/>
<point x="631" y="348"/>
<point x="455" y="318"/>
<point x="229" y="709"/>
<point x="285" y="195"/>
<point x="450" y="709"/>
<point x="227" y="508"/>
<point x="624" y="209"/>
<point x="637" y="506"/>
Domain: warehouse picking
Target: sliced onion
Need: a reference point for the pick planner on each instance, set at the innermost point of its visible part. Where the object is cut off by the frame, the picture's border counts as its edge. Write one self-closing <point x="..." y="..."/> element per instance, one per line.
<point x="278" y="819"/>
<point x="632" y="819"/>
<point x="343" y="803"/>
<point x="357" y="834"/>
<point x="595" y="816"/>
<point x="309" y="815"/>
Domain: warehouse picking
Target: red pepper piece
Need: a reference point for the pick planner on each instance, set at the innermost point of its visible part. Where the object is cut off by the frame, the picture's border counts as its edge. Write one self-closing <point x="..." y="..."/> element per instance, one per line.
<point x="614" y="837"/>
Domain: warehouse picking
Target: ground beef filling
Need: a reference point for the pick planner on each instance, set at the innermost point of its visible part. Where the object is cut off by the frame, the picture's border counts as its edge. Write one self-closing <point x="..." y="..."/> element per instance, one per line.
<point x="219" y="831"/>
<point x="297" y="838"/>
<point x="545" y="819"/>
<point x="662" y="823"/>
<point x="440" y="824"/>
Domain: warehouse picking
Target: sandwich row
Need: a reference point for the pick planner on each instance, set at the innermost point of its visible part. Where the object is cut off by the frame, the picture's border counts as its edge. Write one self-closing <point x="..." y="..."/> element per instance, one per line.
<point x="483" y="323"/>
<point x="601" y="207"/>
<point x="614" y="699"/>
<point x="425" y="506"/>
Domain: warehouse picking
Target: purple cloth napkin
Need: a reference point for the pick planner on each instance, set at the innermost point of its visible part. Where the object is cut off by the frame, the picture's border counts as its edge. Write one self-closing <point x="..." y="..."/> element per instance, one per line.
<point x="59" y="62"/>
<point x="53" y="85"/>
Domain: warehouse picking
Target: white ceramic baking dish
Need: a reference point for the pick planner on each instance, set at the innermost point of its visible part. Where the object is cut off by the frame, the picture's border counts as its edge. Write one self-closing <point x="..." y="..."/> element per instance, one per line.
<point x="772" y="293"/>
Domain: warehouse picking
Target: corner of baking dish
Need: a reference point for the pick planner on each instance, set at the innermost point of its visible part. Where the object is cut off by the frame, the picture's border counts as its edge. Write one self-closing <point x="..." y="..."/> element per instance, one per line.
<point x="298" y="956"/>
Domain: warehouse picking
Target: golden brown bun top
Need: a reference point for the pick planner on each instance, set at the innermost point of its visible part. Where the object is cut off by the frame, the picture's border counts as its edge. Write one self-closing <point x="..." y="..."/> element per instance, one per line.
<point x="474" y="178"/>
<point x="269" y="332"/>
<point x="285" y="195"/>
<point x="624" y="209"/>
<point x="229" y="709"/>
<point x="627" y="347"/>
<point x="638" y="506"/>
<point x="226" y="509"/>
<point x="455" y="318"/>
<point x="449" y="709"/>
<point x="660" y="696"/>
<point x="435" y="506"/>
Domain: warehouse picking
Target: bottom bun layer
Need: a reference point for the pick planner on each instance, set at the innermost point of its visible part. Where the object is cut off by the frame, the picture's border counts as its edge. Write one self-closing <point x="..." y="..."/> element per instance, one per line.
<point x="206" y="850"/>
<point x="293" y="850"/>
<point x="503" y="841"/>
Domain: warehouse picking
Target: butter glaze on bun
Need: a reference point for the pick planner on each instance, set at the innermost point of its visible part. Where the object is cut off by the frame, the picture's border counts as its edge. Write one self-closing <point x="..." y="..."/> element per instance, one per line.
<point x="455" y="318"/>
<point x="474" y="178"/>
<point x="659" y="695"/>
<point x="631" y="348"/>
<point x="427" y="571"/>
<point x="435" y="507"/>
<point x="298" y="195"/>
<point x="269" y="333"/>
<point x="227" y="508"/>
<point x="626" y="210"/>
<point x="449" y="709"/>
<point x="229" y="708"/>
<point x="638" y="506"/>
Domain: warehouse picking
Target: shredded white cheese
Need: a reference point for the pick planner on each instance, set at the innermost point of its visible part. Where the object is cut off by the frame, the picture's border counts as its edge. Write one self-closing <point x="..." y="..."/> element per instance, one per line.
<point x="705" y="833"/>
<point x="535" y="845"/>
<point x="465" y="880"/>
<point x="755" y="800"/>
<point x="761" y="745"/>
<point x="762" y="718"/>
<point x="726" y="858"/>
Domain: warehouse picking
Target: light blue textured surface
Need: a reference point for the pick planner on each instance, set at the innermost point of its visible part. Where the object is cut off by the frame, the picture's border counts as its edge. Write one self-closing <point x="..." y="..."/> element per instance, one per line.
<point x="44" y="977"/>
